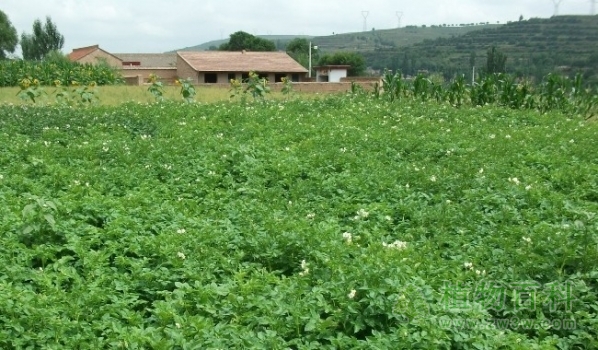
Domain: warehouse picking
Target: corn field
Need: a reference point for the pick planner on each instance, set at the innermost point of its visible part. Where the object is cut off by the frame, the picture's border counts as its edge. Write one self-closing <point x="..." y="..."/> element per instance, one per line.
<point x="553" y="93"/>
<point x="11" y="72"/>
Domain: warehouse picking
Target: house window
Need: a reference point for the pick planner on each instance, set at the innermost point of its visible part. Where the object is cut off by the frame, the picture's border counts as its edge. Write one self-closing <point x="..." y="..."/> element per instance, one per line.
<point x="263" y="76"/>
<point x="231" y="76"/>
<point x="210" y="78"/>
<point x="295" y="77"/>
<point x="278" y="77"/>
<point x="245" y="77"/>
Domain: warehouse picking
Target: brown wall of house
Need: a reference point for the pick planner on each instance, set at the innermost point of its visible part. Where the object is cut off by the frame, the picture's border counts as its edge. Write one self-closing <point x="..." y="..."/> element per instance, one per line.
<point x="167" y="76"/>
<point x="98" y="55"/>
<point x="223" y="77"/>
<point x="184" y="70"/>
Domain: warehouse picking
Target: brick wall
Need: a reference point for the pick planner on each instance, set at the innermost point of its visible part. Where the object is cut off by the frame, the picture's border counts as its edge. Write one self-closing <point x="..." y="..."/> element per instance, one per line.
<point x="184" y="70"/>
<point x="167" y="75"/>
<point x="371" y="80"/>
<point x="325" y="87"/>
<point x="307" y="87"/>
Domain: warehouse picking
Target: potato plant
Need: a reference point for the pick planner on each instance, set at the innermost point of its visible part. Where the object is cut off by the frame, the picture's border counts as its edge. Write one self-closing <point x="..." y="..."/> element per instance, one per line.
<point x="344" y="222"/>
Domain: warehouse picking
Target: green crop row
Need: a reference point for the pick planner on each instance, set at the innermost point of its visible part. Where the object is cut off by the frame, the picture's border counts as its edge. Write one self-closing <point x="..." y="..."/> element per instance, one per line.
<point x="553" y="93"/>
<point x="344" y="222"/>
<point x="12" y="71"/>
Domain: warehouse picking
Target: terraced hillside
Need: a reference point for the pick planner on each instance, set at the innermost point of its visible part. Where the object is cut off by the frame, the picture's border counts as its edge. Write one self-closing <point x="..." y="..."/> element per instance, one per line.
<point x="534" y="47"/>
<point x="391" y="38"/>
<point x="363" y="41"/>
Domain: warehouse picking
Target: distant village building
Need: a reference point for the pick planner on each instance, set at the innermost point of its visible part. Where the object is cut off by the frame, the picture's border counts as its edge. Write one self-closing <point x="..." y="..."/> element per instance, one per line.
<point x="94" y="55"/>
<point x="204" y="67"/>
<point x="211" y="67"/>
<point x="331" y="73"/>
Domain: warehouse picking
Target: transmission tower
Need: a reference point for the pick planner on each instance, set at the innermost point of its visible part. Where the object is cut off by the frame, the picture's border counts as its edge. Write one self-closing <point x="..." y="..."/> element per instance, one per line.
<point x="556" y="3"/>
<point x="365" y="15"/>
<point x="593" y="7"/>
<point x="399" y="17"/>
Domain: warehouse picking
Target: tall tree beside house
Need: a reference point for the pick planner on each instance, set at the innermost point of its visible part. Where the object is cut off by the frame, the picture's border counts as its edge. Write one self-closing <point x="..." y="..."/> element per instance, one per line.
<point x="244" y="41"/>
<point x="44" y="39"/>
<point x="297" y="46"/>
<point x="8" y="36"/>
<point x="298" y="49"/>
<point x="496" y="61"/>
<point x="353" y="59"/>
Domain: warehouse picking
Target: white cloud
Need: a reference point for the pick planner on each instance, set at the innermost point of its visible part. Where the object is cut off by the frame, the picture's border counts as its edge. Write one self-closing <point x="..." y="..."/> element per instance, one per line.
<point x="157" y="25"/>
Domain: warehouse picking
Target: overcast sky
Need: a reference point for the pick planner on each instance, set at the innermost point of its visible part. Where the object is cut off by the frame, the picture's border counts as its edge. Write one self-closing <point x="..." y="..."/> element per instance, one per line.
<point x="162" y="25"/>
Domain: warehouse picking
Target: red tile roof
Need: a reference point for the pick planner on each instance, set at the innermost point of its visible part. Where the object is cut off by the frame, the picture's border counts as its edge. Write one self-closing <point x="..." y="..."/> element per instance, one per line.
<point x="81" y="52"/>
<point x="236" y="61"/>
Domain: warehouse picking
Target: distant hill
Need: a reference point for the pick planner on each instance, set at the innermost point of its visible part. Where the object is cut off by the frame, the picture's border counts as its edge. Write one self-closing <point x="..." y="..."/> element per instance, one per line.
<point x="534" y="47"/>
<point x="363" y="41"/>
<point x="392" y="38"/>
<point x="280" y="41"/>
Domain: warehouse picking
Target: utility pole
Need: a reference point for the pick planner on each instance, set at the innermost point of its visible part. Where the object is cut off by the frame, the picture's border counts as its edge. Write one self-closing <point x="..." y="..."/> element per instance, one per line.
<point x="399" y="17"/>
<point x="315" y="48"/>
<point x="593" y="7"/>
<point x="365" y="15"/>
<point x="556" y="3"/>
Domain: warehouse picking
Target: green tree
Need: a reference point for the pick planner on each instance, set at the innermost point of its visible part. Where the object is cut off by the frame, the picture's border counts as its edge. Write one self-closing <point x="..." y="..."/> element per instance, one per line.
<point x="353" y="59"/>
<point x="8" y="36"/>
<point x="496" y="61"/>
<point x="244" y="41"/>
<point x="57" y="57"/>
<point x="298" y="49"/>
<point x="297" y="46"/>
<point x="44" y="39"/>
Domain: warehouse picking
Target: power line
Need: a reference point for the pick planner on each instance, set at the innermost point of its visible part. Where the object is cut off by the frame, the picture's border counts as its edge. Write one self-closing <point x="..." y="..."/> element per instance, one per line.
<point x="365" y="15"/>
<point x="399" y="17"/>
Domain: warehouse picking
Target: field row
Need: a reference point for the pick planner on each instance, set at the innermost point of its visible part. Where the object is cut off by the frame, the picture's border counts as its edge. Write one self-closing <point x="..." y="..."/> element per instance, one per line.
<point x="344" y="222"/>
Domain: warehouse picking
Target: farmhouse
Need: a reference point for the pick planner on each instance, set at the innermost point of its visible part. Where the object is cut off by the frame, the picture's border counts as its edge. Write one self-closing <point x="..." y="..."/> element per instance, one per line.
<point x="205" y="67"/>
<point x="135" y="67"/>
<point x="211" y="67"/>
<point x="94" y="55"/>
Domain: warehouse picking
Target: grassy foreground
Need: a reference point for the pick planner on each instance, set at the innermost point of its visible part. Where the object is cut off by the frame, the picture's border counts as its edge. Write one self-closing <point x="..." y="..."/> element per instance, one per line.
<point x="337" y="223"/>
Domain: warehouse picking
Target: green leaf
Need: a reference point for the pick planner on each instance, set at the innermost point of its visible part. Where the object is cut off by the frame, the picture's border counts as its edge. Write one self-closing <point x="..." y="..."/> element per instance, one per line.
<point x="50" y="219"/>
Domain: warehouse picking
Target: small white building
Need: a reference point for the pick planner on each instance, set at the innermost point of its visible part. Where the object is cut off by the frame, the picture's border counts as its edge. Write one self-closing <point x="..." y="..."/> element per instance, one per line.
<point x="331" y="73"/>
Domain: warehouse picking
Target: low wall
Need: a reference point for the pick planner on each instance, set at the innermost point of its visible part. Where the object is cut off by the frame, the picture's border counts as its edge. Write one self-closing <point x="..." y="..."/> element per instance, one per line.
<point x="308" y="87"/>
<point x="372" y="80"/>
<point x="166" y="75"/>
<point x="133" y="80"/>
